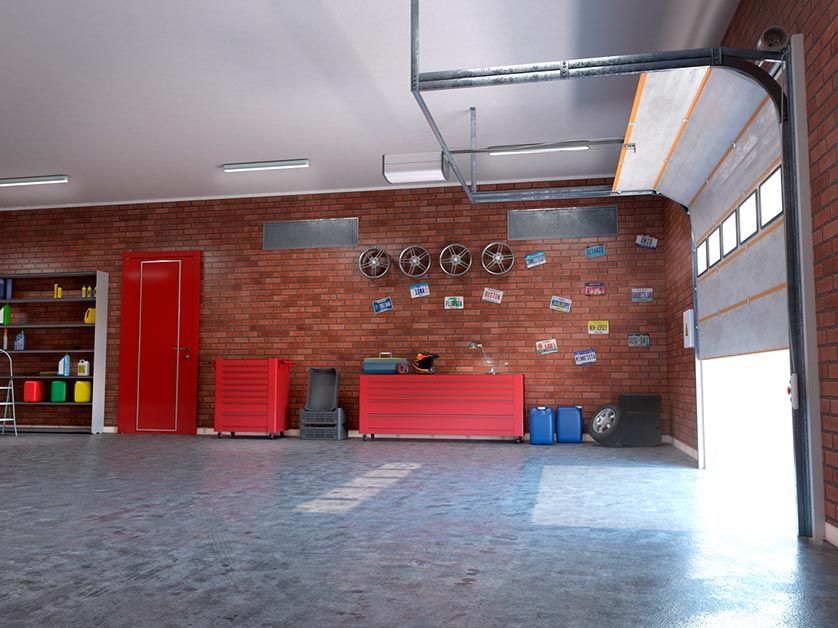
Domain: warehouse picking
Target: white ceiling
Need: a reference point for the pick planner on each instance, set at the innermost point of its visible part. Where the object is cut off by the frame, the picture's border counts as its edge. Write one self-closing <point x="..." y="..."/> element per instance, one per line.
<point x="145" y="100"/>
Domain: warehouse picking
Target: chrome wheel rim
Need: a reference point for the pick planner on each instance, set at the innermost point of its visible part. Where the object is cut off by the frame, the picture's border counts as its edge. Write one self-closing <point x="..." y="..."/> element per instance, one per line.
<point x="415" y="261"/>
<point x="374" y="262"/>
<point x="455" y="260"/>
<point x="497" y="258"/>
<point x="603" y="421"/>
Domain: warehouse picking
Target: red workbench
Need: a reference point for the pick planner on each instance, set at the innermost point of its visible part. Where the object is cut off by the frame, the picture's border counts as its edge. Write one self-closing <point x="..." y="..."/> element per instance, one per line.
<point x="442" y="405"/>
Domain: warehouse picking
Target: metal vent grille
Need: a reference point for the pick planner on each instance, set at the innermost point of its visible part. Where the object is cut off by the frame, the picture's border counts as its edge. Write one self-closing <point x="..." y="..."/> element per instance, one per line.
<point x="310" y="234"/>
<point x="567" y="222"/>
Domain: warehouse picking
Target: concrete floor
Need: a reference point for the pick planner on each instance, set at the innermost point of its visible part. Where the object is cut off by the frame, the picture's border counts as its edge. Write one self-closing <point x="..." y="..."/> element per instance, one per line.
<point x="179" y="531"/>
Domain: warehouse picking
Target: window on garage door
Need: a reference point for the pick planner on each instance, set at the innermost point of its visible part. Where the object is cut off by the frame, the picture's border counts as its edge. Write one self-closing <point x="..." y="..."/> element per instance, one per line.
<point x="701" y="258"/>
<point x="771" y="198"/>
<point x="748" y="218"/>
<point x="714" y="251"/>
<point x="729" y="239"/>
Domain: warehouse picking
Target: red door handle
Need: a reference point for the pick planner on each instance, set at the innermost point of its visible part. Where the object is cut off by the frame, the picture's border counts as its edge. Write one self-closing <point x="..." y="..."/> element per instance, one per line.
<point x="187" y="349"/>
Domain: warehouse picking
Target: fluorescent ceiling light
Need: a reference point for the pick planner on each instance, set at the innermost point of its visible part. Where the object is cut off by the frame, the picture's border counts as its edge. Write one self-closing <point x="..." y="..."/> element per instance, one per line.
<point x="545" y="148"/>
<point x="267" y="165"/>
<point x="415" y="168"/>
<point x="57" y="178"/>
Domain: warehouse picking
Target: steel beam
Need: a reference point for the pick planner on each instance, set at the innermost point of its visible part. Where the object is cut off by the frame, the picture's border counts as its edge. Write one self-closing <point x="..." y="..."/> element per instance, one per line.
<point x="552" y="194"/>
<point x="473" y="115"/>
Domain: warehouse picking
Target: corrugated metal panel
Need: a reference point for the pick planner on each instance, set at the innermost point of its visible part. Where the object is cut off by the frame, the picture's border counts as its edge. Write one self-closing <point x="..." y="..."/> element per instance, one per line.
<point x="726" y="103"/>
<point x="568" y="222"/>
<point x="760" y="325"/>
<point x="750" y="271"/>
<point x="310" y="234"/>
<point x="664" y="103"/>
<point x="752" y="158"/>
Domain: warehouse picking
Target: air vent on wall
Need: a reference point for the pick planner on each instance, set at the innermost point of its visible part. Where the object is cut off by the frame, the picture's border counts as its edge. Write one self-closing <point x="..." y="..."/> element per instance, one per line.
<point x="567" y="222"/>
<point x="310" y="234"/>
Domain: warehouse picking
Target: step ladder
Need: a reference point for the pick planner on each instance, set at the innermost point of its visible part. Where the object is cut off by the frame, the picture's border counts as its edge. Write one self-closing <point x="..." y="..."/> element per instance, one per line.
<point x="7" y="401"/>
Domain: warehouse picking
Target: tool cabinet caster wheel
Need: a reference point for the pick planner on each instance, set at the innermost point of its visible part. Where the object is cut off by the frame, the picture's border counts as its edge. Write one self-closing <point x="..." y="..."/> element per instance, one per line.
<point x="219" y="434"/>
<point x="519" y="440"/>
<point x="282" y="434"/>
<point x="232" y="434"/>
<point x="363" y="437"/>
<point x="270" y="436"/>
<point x="372" y="436"/>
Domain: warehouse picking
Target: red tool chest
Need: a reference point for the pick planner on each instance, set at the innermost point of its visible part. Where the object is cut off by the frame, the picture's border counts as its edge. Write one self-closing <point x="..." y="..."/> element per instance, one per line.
<point x="461" y="405"/>
<point x="251" y="396"/>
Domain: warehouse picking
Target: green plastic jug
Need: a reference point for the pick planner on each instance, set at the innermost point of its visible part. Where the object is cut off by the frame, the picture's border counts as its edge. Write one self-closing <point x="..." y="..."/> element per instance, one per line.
<point x="58" y="392"/>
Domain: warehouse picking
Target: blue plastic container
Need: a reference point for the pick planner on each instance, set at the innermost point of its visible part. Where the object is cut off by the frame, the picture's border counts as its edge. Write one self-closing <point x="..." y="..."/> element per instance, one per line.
<point x="542" y="426"/>
<point x="569" y="424"/>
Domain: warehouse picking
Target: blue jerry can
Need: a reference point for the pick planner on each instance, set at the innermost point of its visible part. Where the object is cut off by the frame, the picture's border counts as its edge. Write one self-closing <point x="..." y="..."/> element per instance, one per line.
<point x="569" y="424"/>
<point x="542" y="426"/>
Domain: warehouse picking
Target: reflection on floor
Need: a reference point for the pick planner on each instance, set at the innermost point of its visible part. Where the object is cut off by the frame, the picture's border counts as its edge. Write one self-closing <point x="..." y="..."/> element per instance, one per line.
<point x="359" y="489"/>
<point x="199" y="531"/>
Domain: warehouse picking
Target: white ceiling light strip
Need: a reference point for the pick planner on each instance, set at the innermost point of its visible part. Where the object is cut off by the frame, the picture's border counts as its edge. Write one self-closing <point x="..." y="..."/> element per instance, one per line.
<point x="47" y="180"/>
<point x="254" y="166"/>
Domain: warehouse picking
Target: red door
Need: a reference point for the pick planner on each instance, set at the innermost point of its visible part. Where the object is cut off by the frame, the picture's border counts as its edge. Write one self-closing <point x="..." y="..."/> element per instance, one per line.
<point x="158" y="362"/>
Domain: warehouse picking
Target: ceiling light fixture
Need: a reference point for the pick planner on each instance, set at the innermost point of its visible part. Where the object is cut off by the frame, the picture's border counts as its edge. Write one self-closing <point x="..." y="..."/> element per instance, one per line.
<point x="56" y="178"/>
<point x="254" y="166"/>
<point x="538" y="148"/>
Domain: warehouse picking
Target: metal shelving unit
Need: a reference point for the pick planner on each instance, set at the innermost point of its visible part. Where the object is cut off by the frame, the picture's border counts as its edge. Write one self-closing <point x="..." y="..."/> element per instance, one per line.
<point x="91" y="350"/>
<point x="48" y="300"/>
<point x="96" y="406"/>
<point x="23" y="404"/>
<point x="49" y="326"/>
<point x="54" y="376"/>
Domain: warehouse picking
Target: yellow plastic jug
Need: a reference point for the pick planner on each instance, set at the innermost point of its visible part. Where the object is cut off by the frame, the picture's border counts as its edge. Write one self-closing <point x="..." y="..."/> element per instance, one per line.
<point x="82" y="392"/>
<point x="90" y="315"/>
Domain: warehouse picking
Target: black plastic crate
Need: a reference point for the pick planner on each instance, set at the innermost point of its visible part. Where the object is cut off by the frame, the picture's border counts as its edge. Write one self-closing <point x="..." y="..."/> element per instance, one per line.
<point x="323" y="432"/>
<point x="327" y="418"/>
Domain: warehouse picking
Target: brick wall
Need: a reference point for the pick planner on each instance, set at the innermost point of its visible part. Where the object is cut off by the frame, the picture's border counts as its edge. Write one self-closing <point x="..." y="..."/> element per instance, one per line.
<point x="680" y="398"/>
<point x="314" y="307"/>
<point x="817" y="20"/>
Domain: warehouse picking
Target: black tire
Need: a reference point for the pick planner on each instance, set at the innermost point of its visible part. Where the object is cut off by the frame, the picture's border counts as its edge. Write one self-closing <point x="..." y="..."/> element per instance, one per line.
<point x="604" y="422"/>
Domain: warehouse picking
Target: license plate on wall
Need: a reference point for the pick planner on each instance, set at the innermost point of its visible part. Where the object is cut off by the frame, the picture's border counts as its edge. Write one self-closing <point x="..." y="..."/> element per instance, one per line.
<point x="492" y="295"/>
<point x="382" y="305"/>
<point x="588" y="356"/>
<point x="594" y="288"/>
<point x="639" y="340"/>
<point x="418" y="290"/>
<point x="560" y="304"/>
<point x="595" y="251"/>
<point x="535" y="259"/>
<point x="597" y="327"/>
<point x="546" y="346"/>
<point x="646" y="242"/>
<point x="642" y="295"/>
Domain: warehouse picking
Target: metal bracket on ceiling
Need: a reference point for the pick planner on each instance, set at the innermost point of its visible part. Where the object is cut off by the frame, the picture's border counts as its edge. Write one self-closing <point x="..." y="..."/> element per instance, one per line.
<point x="740" y="60"/>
